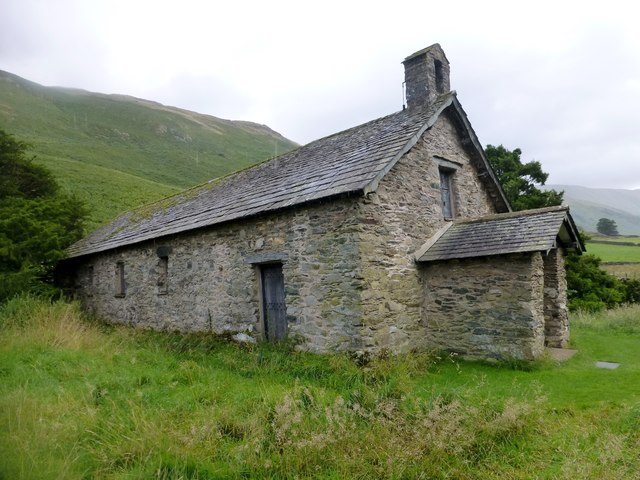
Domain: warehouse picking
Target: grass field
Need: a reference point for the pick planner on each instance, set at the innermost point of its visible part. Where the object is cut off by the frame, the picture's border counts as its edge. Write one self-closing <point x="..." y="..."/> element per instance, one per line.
<point x="614" y="253"/>
<point x="596" y="237"/>
<point x="623" y="261"/>
<point x="82" y="400"/>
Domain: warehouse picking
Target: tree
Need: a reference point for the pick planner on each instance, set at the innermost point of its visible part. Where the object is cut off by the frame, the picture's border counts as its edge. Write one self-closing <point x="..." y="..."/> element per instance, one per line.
<point x="520" y="181"/>
<point x="608" y="227"/>
<point x="37" y="221"/>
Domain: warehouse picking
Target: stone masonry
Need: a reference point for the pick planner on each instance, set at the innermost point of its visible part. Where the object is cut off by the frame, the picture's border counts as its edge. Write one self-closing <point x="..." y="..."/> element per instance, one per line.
<point x="404" y="212"/>
<point x="489" y="307"/>
<point x="212" y="287"/>
<point x="341" y="221"/>
<point x="556" y="315"/>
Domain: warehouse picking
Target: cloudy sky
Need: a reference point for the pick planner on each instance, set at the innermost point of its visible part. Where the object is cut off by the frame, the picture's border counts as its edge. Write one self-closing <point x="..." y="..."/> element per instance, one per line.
<point x="558" y="79"/>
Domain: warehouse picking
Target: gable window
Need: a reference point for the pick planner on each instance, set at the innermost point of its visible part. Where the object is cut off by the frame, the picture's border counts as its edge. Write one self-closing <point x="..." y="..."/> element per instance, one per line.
<point x="120" y="285"/>
<point x="446" y="190"/>
<point x="163" y="275"/>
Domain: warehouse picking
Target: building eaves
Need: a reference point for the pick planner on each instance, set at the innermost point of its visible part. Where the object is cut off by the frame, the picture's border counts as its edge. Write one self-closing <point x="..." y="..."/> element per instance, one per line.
<point x="514" y="232"/>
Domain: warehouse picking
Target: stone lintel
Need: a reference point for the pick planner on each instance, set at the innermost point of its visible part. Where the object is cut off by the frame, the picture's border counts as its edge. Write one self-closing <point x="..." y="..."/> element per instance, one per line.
<point x="266" y="258"/>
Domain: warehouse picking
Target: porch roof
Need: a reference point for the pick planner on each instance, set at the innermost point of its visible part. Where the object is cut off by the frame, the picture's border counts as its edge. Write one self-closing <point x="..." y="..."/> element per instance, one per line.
<point x="515" y="232"/>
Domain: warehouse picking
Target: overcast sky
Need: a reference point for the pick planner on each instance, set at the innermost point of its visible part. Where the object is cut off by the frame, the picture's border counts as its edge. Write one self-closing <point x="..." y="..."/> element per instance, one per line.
<point x="558" y="79"/>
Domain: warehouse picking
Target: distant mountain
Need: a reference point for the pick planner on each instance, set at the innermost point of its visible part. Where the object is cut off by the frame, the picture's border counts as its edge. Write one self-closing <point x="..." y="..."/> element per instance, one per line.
<point x="588" y="205"/>
<point x="117" y="152"/>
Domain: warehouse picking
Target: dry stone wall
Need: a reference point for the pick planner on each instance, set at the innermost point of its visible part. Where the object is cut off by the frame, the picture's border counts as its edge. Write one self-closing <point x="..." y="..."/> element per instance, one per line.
<point x="489" y="307"/>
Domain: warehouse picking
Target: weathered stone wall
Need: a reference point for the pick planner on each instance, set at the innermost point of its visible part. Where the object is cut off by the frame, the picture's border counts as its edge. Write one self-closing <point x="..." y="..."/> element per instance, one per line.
<point x="489" y="307"/>
<point x="211" y="287"/>
<point x="400" y="217"/>
<point x="556" y="313"/>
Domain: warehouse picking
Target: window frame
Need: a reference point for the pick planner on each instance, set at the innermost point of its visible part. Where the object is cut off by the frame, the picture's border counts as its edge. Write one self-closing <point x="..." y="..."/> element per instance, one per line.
<point x="162" y="281"/>
<point x="90" y="280"/>
<point x="120" y="284"/>
<point x="447" y="178"/>
<point x="446" y="193"/>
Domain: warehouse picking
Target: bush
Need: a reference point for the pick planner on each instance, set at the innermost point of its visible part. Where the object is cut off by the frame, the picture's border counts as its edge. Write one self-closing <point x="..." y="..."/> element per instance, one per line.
<point x="631" y="289"/>
<point x="589" y="287"/>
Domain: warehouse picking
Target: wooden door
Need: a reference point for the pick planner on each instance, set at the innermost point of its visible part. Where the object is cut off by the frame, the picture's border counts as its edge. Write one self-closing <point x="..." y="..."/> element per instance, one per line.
<point x="274" y="309"/>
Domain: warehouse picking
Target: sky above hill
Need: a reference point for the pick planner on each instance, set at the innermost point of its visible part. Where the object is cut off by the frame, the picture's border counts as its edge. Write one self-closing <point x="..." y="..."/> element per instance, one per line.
<point x="558" y="79"/>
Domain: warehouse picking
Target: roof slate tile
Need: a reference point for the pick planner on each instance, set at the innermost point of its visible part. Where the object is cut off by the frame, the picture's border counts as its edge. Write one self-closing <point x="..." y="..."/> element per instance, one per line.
<point x="517" y="232"/>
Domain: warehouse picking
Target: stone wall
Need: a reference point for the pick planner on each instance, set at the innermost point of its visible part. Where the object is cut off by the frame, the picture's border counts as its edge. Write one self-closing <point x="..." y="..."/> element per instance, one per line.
<point x="556" y="313"/>
<point x="397" y="220"/>
<point x="490" y="307"/>
<point x="212" y="287"/>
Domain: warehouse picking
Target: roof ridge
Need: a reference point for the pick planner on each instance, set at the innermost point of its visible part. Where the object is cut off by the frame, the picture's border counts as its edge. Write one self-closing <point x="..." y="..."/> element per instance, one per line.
<point x="519" y="213"/>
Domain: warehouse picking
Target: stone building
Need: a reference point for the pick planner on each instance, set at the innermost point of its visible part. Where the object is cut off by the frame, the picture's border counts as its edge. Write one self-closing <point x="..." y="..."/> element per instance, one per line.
<point x="394" y="234"/>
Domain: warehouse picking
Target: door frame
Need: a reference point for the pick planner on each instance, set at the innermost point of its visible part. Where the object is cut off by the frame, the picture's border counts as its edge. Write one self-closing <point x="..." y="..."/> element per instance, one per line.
<point x="262" y="327"/>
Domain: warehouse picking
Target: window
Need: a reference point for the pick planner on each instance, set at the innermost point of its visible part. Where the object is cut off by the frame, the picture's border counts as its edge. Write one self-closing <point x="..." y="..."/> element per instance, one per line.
<point x="163" y="274"/>
<point x="446" y="190"/>
<point x="90" y="280"/>
<point x="120" y="285"/>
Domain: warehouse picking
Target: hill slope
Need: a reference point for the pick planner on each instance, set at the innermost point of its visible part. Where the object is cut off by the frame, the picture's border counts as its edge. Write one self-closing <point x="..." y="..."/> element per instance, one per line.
<point x="588" y="205"/>
<point x="117" y="152"/>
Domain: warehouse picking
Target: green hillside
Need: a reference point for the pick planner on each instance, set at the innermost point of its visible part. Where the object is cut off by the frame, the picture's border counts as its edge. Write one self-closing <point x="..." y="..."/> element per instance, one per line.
<point x="117" y="152"/>
<point x="588" y="205"/>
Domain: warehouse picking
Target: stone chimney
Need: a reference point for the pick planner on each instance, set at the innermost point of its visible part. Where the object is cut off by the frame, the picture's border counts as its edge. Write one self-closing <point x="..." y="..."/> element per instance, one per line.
<point x="426" y="76"/>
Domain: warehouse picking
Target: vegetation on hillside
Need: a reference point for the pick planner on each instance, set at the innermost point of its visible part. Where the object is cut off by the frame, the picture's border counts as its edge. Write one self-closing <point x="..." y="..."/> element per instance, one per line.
<point x="588" y="205"/>
<point x="37" y="221"/>
<point x="117" y="153"/>
<point x="79" y="399"/>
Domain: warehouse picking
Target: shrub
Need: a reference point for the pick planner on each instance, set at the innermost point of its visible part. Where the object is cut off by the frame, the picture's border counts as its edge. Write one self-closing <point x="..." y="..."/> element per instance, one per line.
<point x="589" y="287"/>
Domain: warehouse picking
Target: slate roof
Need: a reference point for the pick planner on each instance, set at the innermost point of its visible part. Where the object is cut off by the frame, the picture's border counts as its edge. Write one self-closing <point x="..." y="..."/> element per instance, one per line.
<point x="515" y="232"/>
<point x="351" y="161"/>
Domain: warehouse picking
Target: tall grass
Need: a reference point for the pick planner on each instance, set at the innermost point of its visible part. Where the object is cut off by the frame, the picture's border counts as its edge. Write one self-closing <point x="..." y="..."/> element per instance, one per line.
<point x="626" y="320"/>
<point x="82" y="400"/>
